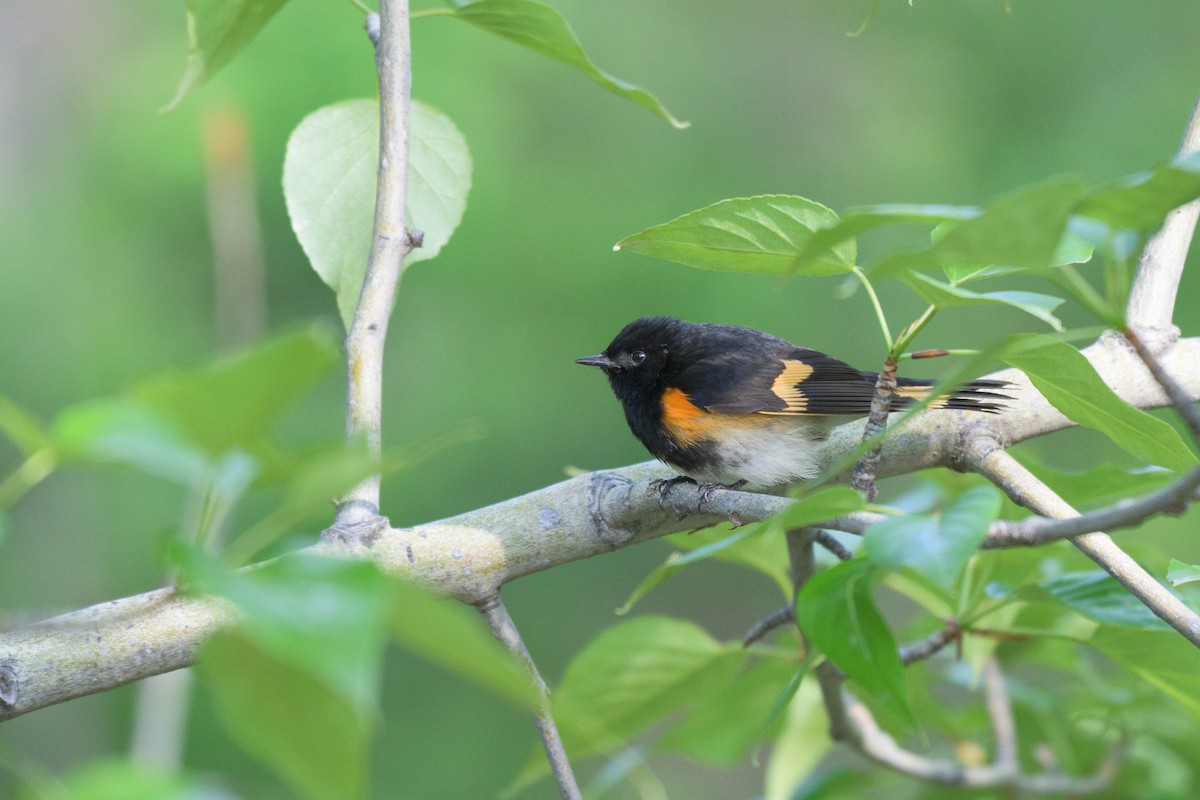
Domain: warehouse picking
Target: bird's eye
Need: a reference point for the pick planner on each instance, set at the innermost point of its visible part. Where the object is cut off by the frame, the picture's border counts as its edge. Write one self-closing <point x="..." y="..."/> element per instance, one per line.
<point x="637" y="357"/>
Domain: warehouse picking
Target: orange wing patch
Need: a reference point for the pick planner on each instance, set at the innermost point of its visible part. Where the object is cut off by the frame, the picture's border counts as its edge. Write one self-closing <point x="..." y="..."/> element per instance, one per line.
<point x="919" y="393"/>
<point x="786" y="386"/>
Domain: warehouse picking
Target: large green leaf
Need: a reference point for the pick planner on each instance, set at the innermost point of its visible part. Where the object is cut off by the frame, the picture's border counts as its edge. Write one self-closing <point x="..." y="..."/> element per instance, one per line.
<point x="859" y="220"/>
<point x="129" y="780"/>
<point x="284" y="715"/>
<point x="453" y="636"/>
<point x="124" y="431"/>
<point x="946" y="295"/>
<point x="1102" y="484"/>
<point x="1020" y="230"/>
<point x="217" y="31"/>
<point x="1141" y="202"/>
<point x="937" y="547"/>
<point x="329" y="180"/>
<point x="325" y="616"/>
<point x="752" y="546"/>
<point x="824" y="504"/>
<point x="234" y="399"/>
<point x="837" y="612"/>
<point x="1161" y="658"/>
<point x="764" y="234"/>
<point x="1098" y="596"/>
<point x="727" y="721"/>
<point x="633" y="675"/>
<point x="800" y="746"/>
<point x="543" y="30"/>
<point x="1070" y="383"/>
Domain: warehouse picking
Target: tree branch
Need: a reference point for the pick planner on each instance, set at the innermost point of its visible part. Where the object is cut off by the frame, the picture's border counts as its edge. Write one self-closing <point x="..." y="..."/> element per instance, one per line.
<point x="390" y="243"/>
<point x="1026" y="490"/>
<point x="1152" y="297"/>
<point x="586" y="516"/>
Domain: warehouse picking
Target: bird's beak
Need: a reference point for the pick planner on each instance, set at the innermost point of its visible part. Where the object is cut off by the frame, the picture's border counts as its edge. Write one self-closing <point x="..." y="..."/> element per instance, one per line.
<point x="602" y="361"/>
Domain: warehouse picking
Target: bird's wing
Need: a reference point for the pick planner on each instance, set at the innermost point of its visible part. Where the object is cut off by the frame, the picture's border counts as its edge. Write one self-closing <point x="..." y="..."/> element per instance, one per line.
<point x="787" y="381"/>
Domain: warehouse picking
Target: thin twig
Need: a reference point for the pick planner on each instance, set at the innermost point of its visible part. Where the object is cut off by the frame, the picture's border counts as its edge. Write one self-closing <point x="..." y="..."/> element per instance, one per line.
<point x="505" y="630"/>
<point x="830" y="543"/>
<point x="1026" y="489"/>
<point x="931" y="644"/>
<point x="390" y="243"/>
<point x="1179" y="397"/>
<point x="776" y="619"/>
<point x="1034" y="531"/>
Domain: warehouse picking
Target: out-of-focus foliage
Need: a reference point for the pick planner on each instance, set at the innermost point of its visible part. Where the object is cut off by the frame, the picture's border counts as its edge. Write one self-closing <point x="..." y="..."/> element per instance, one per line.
<point x="106" y="276"/>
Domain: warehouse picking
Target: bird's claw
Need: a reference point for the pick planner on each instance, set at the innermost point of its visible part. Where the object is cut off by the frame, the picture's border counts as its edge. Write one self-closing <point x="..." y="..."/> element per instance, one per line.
<point x="663" y="486"/>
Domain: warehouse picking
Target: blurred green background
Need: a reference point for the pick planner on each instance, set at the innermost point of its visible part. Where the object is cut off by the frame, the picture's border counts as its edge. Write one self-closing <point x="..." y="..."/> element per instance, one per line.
<point x="106" y="271"/>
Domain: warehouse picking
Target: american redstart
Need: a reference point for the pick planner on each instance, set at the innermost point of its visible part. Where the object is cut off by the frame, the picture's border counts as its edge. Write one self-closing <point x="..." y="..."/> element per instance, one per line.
<point x="731" y="406"/>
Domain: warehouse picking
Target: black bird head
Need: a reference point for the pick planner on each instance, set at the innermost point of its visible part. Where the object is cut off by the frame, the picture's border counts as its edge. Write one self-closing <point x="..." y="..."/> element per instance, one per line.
<point x="642" y="356"/>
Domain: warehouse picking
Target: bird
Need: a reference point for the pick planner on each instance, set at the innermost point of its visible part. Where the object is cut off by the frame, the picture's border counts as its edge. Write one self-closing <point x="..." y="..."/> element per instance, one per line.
<point x="728" y="406"/>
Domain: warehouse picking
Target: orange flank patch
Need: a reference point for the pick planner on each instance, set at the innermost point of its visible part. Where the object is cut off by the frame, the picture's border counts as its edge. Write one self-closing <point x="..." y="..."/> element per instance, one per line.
<point x="787" y="386"/>
<point x="685" y="421"/>
<point x="688" y="424"/>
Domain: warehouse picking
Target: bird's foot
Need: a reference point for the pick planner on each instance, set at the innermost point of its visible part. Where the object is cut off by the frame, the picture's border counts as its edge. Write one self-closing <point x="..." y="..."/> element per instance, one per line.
<point x="663" y="486"/>
<point x="707" y="489"/>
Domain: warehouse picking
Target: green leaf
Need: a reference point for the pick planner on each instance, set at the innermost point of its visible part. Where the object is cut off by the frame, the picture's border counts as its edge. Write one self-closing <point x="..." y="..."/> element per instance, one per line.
<point x="945" y="295"/>
<point x="822" y="505"/>
<point x="326" y="616"/>
<point x="124" y="431"/>
<point x="856" y="221"/>
<point x="126" y="780"/>
<point x="1070" y="383"/>
<point x="936" y="547"/>
<point x="453" y="636"/>
<point x="633" y="675"/>
<point x="329" y="180"/>
<point x="1140" y="202"/>
<point x="1100" y="485"/>
<point x="22" y="428"/>
<point x="1180" y="573"/>
<point x="728" y="721"/>
<point x="764" y="234"/>
<point x="1163" y="659"/>
<point x="800" y="746"/>
<point x="1096" y="595"/>
<point x="284" y="715"/>
<point x="837" y="612"/>
<point x="233" y="400"/>
<point x="543" y="30"/>
<point x="217" y="31"/>
<point x="1021" y="229"/>
<point x="758" y="546"/>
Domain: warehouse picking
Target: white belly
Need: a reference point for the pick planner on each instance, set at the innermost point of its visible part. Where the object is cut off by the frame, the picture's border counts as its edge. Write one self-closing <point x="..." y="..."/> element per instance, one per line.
<point x="778" y="452"/>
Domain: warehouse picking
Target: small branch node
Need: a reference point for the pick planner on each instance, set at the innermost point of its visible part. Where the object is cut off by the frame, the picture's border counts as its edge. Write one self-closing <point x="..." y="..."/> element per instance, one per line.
<point x="372" y="28"/>
<point x="9" y="686"/>
<point x="354" y="528"/>
<point x="865" y="471"/>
